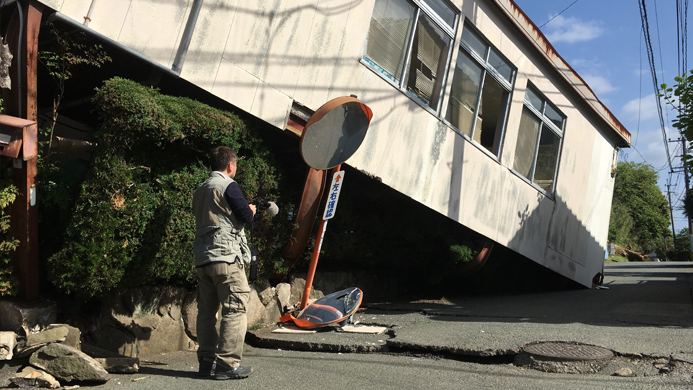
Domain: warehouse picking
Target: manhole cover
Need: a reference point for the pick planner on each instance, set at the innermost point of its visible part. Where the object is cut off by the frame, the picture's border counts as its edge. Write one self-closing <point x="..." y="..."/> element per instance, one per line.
<point x="567" y="351"/>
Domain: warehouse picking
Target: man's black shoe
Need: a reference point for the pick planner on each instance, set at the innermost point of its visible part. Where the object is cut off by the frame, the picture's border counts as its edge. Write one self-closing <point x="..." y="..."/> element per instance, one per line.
<point x="233" y="373"/>
<point x="206" y="369"/>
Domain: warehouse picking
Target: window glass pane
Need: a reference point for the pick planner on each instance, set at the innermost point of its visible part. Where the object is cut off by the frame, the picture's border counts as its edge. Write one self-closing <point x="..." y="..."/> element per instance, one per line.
<point x="388" y="36"/>
<point x="426" y="67"/>
<point x="500" y="65"/>
<point x="463" y="94"/>
<point x="526" y="143"/>
<point x="443" y="10"/>
<point x="554" y="116"/>
<point x="546" y="159"/>
<point x="494" y="100"/>
<point x="474" y="43"/>
<point x="533" y="99"/>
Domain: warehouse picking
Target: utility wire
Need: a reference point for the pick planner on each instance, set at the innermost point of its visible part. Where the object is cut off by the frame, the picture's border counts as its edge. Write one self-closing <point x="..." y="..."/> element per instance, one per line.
<point x="637" y="130"/>
<point x="650" y="59"/>
<point x="555" y="16"/>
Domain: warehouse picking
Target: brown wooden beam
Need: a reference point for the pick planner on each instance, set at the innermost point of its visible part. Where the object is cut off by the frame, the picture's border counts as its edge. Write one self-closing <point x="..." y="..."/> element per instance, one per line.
<point x="21" y="102"/>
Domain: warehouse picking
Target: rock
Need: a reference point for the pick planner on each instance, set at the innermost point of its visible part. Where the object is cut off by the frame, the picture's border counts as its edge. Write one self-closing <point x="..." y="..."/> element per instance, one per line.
<point x="272" y="313"/>
<point x="168" y="336"/>
<point x="31" y="377"/>
<point x="113" y="337"/>
<point x="14" y="315"/>
<point x="298" y="285"/>
<point x="49" y="335"/>
<point x="266" y="295"/>
<point x="120" y="365"/>
<point x="189" y="314"/>
<point x="148" y="320"/>
<point x="73" y="338"/>
<point x="8" y="340"/>
<point x="625" y="372"/>
<point x="68" y="364"/>
<point x="283" y="291"/>
<point x="255" y="308"/>
<point x="634" y="256"/>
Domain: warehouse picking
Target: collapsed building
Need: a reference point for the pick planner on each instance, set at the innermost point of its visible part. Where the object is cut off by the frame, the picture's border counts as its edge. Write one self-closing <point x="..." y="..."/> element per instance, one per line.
<point x="475" y="115"/>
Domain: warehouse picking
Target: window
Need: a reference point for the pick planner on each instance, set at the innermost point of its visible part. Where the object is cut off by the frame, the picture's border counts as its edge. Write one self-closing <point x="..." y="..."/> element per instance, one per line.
<point x="409" y="43"/>
<point x="539" y="141"/>
<point x="479" y="96"/>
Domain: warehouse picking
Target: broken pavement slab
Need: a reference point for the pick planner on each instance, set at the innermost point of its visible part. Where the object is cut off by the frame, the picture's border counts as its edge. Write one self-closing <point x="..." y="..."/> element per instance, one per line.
<point x="325" y="339"/>
<point x="32" y="377"/>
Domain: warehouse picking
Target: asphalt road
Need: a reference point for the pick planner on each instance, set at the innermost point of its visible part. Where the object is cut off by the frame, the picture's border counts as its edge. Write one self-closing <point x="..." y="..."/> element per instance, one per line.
<point x="645" y="314"/>
<point x="314" y="370"/>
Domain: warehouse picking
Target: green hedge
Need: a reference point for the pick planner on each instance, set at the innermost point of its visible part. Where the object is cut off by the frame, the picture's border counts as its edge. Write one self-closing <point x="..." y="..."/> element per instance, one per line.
<point x="132" y="223"/>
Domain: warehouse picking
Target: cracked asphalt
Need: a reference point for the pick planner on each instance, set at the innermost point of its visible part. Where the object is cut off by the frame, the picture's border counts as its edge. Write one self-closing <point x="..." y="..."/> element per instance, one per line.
<point x="645" y="317"/>
<point x="646" y="313"/>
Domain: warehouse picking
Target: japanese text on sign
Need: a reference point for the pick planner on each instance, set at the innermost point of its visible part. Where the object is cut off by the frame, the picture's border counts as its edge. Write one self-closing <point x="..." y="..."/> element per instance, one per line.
<point x="333" y="196"/>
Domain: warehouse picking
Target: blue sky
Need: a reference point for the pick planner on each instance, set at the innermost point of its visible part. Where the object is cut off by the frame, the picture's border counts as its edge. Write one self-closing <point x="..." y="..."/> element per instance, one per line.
<point x="603" y="41"/>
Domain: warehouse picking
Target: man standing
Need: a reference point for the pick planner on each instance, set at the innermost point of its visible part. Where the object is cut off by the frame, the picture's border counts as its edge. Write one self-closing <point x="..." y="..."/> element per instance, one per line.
<point x="221" y="252"/>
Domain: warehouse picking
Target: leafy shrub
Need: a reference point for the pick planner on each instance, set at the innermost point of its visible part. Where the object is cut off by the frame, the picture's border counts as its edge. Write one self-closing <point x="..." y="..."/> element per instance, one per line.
<point x="8" y="279"/>
<point x="461" y="253"/>
<point x="132" y="223"/>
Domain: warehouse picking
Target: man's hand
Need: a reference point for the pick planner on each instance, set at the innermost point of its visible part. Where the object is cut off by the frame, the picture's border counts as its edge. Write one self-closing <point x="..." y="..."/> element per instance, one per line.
<point x="252" y="207"/>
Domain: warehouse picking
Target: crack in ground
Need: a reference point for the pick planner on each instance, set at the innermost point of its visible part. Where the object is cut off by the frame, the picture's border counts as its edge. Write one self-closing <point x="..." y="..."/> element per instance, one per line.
<point x="626" y="365"/>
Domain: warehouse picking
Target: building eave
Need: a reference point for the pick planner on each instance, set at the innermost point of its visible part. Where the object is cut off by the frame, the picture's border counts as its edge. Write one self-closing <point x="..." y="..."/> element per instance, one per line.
<point x="539" y="40"/>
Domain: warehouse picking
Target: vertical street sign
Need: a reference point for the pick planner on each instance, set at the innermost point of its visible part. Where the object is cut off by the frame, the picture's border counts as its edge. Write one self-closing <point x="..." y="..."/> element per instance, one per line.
<point x="333" y="196"/>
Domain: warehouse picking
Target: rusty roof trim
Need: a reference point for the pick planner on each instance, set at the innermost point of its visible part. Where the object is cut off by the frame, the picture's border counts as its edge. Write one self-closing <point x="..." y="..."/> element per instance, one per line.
<point x="525" y="24"/>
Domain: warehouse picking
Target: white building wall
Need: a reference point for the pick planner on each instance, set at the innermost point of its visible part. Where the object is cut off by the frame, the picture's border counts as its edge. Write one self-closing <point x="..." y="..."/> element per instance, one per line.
<point x="262" y="55"/>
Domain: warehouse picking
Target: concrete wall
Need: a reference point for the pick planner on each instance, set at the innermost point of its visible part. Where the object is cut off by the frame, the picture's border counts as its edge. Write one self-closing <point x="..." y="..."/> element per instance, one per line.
<point x="263" y="55"/>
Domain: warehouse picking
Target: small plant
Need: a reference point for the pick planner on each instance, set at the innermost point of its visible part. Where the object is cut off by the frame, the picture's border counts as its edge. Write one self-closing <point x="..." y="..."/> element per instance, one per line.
<point x="461" y="253"/>
<point x="67" y="51"/>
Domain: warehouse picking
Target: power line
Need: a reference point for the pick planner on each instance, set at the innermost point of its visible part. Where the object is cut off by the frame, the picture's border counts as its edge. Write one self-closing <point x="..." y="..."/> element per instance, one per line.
<point x="555" y="16"/>
<point x="637" y="131"/>
<point x="650" y="59"/>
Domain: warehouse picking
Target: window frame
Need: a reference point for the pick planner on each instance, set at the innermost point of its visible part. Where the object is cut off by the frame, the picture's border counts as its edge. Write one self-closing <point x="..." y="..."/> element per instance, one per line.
<point x="451" y="32"/>
<point x="508" y="86"/>
<point x="544" y="121"/>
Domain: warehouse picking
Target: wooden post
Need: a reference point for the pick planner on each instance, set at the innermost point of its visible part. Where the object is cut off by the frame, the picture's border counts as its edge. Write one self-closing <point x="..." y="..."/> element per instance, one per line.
<point x="21" y="102"/>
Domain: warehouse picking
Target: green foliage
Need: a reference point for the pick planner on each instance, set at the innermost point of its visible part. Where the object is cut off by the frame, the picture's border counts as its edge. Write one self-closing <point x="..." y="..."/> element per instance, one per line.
<point x="683" y="241"/>
<point x="461" y="253"/>
<point x="67" y="50"/>
<point x="620" y="224"/>
<point x="9" y="285"/>
<point x="680" y="98"/>
<point x="8" y="279"/>
<point x="132" y="223"/>
<point x="640" y="214"/>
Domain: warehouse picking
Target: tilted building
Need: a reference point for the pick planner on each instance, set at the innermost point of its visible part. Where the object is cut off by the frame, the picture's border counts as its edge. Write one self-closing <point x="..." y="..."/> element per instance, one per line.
<point x="475" y="114"/>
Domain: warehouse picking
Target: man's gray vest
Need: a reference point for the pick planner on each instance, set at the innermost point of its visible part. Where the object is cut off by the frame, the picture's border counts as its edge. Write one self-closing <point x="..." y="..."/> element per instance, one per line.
<point x="219" y="236"/>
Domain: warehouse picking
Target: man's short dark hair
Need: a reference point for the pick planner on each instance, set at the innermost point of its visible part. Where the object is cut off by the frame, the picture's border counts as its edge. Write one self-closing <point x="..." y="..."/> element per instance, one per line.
<point x="221" y="156"/>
